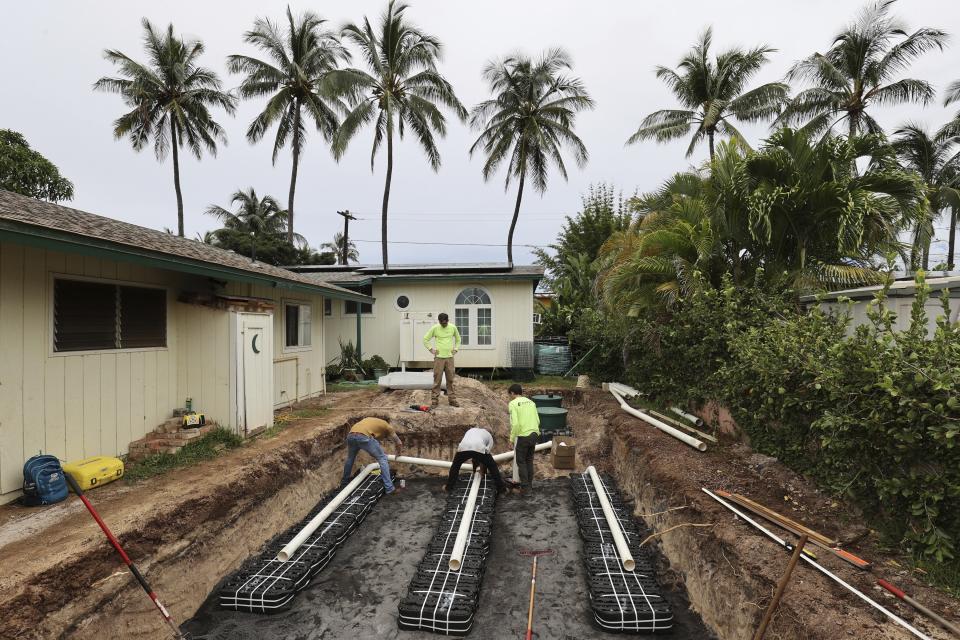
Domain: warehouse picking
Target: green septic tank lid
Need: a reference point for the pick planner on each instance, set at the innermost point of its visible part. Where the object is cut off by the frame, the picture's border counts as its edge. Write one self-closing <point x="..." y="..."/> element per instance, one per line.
<point x="551" y="400"/>
<point x="552" y="417"/>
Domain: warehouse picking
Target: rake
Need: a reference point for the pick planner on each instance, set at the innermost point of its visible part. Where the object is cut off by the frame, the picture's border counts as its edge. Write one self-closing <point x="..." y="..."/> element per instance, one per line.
<point x="535" y="554"/>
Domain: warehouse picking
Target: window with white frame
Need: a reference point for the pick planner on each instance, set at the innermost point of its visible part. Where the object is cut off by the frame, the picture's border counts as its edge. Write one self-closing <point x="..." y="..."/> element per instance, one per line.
<point x="473" y="315"/>
<point x="297" y="324"/>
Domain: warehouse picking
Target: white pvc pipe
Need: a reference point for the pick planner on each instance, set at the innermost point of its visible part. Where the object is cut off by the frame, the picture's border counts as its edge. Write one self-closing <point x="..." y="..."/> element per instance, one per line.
<point x="676" y="433"/>
<point x="689" y="416"/>
<point x="318" y="519"/>
<point x="683" y="425"/>
<point x="423" y="462"/>
<point x="622" y="549"/>
<point x="460" y="544"/>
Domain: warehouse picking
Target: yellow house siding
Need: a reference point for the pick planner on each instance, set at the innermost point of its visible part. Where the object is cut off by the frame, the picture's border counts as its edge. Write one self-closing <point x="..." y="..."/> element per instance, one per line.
<point x="11" y="368"/>
<point x="512" y="304"/>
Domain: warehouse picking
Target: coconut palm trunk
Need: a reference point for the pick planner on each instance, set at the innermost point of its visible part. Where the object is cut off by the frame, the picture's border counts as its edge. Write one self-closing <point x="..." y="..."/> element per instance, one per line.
<point x="176" y="175"/>
<point x="952" y="240"/>
<point x="293" y="171"/>
<point x="710" y="140"/>
<point x="386" y="193"/>
<point x="516" y="215"/>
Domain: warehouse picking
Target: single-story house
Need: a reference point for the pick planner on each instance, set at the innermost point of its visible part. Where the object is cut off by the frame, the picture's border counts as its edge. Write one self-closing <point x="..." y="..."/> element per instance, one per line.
<point x="899" y="300"/>
<point x="107" y="327"/>
<point x="491" y="304"/>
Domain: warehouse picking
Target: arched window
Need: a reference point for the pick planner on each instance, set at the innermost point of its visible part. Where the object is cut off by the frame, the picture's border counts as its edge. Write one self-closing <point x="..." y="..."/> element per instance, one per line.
<point x="473" y="315"/>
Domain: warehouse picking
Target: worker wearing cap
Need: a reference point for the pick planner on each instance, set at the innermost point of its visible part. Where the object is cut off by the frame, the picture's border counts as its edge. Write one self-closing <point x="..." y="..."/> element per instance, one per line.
<point x="476" y="445"/>
<point x="447" y="337"/>
<point x="366" y="436"/>
<point x="524" y="432"/>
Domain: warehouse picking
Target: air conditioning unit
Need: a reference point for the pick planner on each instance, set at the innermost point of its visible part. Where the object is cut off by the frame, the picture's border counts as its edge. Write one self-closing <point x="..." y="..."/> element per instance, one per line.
<point x="413" y="326"/>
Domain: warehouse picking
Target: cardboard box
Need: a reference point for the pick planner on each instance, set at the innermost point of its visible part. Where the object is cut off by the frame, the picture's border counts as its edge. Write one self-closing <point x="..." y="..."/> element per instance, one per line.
<point x="563" y="454"/>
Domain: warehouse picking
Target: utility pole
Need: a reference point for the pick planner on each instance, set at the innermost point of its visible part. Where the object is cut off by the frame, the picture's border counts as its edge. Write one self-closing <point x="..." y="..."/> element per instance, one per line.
<point x="347" y="217"/>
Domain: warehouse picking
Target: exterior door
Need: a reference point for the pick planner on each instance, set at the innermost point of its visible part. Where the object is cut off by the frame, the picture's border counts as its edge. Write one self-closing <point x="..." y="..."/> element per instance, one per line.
<point x="255" y="375"/>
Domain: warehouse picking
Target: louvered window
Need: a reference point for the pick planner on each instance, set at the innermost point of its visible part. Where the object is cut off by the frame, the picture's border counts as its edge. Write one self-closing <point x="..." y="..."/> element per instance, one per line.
<point x="95" y="316"/>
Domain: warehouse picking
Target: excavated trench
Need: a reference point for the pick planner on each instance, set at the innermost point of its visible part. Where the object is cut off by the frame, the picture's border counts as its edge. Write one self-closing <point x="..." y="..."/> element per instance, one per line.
<point x="717" y="579"/>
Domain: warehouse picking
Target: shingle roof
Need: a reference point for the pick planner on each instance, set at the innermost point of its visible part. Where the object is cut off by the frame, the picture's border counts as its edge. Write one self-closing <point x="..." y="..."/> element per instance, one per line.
<point x="22" y="215"/>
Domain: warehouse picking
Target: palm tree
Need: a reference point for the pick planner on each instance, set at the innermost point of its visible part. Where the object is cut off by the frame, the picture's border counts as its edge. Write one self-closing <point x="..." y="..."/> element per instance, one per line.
<point x="952" y="130"/>
<point x="712" y="93"/>
<point x="299" y="60"/>
<point x="528" y="120"/>
<point x="402" y="89"/>
<point x="258" y="217"/>
<point x="336" y="248"/>
<point x="935" y="160"/>
<point x="169" y="99"/>
<point x="861" y="70"/>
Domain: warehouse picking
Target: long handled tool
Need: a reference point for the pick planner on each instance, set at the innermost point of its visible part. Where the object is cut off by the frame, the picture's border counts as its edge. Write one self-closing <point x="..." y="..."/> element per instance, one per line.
<point x="894" y="617"/>
<point x="126" y="559"/>
<point x="781" y="588"/>
<point x="533" y="585"/>
<point x="946" y="624"/>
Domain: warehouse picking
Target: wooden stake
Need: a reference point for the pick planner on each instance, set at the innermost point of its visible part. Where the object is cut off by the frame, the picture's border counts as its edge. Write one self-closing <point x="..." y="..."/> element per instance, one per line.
<point x="781" y="587"/>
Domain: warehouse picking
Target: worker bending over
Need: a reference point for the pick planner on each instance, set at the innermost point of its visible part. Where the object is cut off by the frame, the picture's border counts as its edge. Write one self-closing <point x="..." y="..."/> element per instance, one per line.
<point x="524" y="432"/>
<point x="447" y="337"/>
<point x="475" y="447"/>
<point x="365" y="435"/>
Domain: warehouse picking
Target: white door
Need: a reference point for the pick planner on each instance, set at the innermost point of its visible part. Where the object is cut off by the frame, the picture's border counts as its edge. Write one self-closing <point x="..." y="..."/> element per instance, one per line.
<point x="255" y="373"/>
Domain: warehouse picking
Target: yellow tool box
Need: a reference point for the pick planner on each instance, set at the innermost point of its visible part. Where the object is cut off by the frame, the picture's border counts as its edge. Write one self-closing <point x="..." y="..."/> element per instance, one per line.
<point x="194" y="420"/>
<point x="94" y="472"/>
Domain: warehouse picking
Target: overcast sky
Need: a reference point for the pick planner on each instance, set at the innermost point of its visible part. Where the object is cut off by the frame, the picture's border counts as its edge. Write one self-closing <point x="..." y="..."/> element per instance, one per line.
<point x="51" y="54"/>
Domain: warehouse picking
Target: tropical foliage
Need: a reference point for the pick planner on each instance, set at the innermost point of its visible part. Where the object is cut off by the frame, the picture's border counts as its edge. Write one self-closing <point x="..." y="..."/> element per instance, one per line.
<point x="337" y="248"/>
<point x="258" y="228"/>
<point x="871" y="414"/>
<point x="401" y="89"/>
<point x="935" y="160"/>
<point x="529" y="120"/>
<point x="170" y="99"/>
<point x="712" y="92"/>
<point x="25" y="171"/>
<point x="861" y="70"/>
<point x="294" y="79"/>
<point x="798" y="208"/>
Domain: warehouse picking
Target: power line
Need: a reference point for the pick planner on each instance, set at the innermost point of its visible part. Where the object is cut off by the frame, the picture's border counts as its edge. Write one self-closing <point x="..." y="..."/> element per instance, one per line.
<point x="457" y="244"/>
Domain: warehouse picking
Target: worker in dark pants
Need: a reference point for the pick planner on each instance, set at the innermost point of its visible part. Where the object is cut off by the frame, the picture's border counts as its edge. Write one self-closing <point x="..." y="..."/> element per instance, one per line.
<point x="524" y="432"/>
<point x="475" y="447"/>
<point x="365" y="436"/>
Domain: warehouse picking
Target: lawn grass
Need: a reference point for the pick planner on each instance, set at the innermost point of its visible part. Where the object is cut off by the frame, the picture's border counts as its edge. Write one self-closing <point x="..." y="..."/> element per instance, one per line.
<point x="204" y="448"/>
<point x="333" y="387"/>
<point x="546" y="382"/>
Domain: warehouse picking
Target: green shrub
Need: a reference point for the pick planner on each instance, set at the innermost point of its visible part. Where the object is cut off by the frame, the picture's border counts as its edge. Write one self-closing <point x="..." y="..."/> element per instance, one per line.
<point x="874" y="415"/>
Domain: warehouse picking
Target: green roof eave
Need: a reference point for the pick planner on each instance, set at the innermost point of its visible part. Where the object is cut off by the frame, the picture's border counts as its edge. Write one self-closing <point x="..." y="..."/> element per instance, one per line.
<point x="55" y="240"/>
<point x="463" y="277"/>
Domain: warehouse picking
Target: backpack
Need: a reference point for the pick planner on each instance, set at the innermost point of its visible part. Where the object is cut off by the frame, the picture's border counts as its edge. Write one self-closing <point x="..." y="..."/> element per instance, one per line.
<point x="43" y="481"/>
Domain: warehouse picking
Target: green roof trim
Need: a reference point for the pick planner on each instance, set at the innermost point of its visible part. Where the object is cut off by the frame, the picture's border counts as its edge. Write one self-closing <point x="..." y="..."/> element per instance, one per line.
<point x="53" y="239"/>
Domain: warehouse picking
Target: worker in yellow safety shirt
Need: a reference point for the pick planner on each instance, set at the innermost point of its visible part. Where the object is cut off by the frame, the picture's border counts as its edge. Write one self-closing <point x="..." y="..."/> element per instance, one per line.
<point x="366" y="435"/>
<point x="447" y="338"/>
<point x="524" y="432"/>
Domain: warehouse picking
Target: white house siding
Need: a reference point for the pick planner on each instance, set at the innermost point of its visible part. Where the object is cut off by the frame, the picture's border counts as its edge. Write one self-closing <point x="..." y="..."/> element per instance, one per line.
<point x="95" y="403"/>
<point x="901" y="306"/>
<point x="512" y="302"/>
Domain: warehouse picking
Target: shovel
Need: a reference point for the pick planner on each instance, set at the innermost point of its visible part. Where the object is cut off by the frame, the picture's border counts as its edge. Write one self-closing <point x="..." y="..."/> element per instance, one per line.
<point x="536" y="554"/>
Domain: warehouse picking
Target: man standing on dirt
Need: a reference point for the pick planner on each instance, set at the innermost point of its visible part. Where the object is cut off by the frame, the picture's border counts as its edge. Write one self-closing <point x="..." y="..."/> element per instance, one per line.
<point x="447" y="337"/>
<point x="525" y="432"/>
<point x="475" y="447"/>
<point x="366" y="435"/>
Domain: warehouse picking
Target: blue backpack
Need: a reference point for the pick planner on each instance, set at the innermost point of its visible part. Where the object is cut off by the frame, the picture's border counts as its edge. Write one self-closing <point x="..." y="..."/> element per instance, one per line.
<point x="43" y="481"/>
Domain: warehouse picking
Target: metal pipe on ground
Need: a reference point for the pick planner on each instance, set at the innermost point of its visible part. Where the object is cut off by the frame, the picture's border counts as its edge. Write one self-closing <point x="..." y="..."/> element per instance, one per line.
<point x="314" y="524"/>
<point x="781" y="588"/>
<point x="621" y="543"/>
<point x="813" y="563"/>
<point x="676" y="433"/>
<point x="460" y="543"/>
